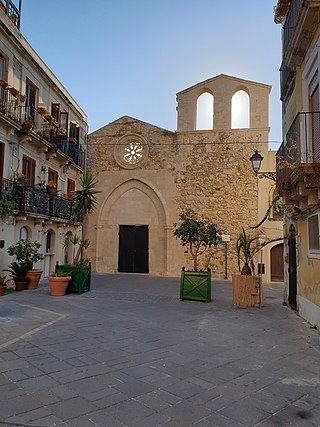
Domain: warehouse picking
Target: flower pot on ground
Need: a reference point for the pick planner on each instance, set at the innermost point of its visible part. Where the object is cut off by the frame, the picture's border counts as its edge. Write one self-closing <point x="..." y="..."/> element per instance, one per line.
<point x="28" y="253"/>
<point x="3" y="284"/>
<point x="200" y="237"/>
<point x="33" y="278"/>
<point x="58" y="282"/>
<point x="80" y="276"/>
<point x="195" y="285"/>
<point x="246" y="291"/>
<point x="18" y="274"/>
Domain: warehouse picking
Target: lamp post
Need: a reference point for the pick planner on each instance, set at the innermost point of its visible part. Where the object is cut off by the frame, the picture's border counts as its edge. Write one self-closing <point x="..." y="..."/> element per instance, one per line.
<point x="256" y="160"/>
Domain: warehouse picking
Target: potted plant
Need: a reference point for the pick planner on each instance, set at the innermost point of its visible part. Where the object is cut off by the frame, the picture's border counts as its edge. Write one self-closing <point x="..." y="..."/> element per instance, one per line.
<point x="18" y="273"/>
<point x="84" y="203"/>
<point x="58" y="282"/>
<point x="3" y="284"/>
<point x="200" y="236"/>
<point x="27" y="126"/>
<point x="28" y="253"/>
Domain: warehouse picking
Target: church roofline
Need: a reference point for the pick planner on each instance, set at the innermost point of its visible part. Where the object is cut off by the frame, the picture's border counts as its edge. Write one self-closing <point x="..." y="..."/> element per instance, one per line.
<point x="136" y="120"/>
<point x="224" y="76"/>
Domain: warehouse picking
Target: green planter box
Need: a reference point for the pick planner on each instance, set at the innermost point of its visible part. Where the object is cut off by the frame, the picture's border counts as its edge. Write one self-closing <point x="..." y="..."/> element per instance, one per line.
<point x="195" y="285"/>
<point x="80" y="277"/>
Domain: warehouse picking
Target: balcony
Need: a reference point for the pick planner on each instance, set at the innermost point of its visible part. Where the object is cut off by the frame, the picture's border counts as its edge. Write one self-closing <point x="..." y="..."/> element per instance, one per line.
<point x="46" y="129"/>
<point x="287" y="81"/>
<point x="9" y="106"/>
<point x="298" y="161"/>
<point x="301" y="24"/>
<point x="12" y="11"/>
<point x="37" y="202"/>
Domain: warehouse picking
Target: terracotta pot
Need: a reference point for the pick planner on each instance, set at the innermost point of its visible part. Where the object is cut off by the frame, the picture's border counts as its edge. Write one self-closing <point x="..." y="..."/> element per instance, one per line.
<point x="21" y="284"/>
<point x="33" y="278"/>
<point x="58" y="285"/>
<point x="2" y="290"/>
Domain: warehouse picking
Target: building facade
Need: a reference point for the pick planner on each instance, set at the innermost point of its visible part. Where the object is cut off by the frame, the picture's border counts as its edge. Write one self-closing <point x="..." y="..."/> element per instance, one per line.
<point x="147" y="175"/>
<point x="298" y="159"/>
<point x="43" y="142"/>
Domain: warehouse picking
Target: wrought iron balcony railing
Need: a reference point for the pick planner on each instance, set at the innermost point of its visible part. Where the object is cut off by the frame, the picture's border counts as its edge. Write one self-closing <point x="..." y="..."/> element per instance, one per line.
<point x="300" y="147"/>
<point x="33" y="200"/>
<point x="11" y="10"/>
<point x="9" y="105"/>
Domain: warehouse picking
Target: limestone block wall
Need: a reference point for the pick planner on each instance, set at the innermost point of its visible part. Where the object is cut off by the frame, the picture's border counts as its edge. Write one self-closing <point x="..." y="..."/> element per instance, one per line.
<point x="207" y="171"/>
<point x="222" y="88"/>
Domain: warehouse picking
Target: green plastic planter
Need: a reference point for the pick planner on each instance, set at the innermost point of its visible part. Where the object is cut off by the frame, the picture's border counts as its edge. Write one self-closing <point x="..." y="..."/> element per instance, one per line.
<point x="195" y="285"/>
<point x="80" y="277"/>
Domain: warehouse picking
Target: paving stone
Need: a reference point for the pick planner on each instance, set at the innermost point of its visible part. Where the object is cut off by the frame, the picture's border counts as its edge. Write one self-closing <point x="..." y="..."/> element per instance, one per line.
<point x="187" y="413"/>
<point x="244" y="411"/>
<point x="17" y="405"/>
<point x="184" y="389"/>
<point x="128" y="411"/>
<point x="134" y="388"/>
<point x="39" y="383"/>
<point x="29" y="416"/>
<point x="71" y="408"/>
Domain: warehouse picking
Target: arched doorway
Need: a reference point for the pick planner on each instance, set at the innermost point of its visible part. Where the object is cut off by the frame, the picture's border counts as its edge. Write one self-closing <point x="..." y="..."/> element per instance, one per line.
<point x="132" y="219"/>
<point x="276" y="256"/>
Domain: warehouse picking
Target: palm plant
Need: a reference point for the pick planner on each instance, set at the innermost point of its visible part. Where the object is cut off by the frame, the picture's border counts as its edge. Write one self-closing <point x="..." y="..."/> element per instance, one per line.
<point x="17" y="270"/>
<point x="246" y="247"/>
<point x="84" y="200"/>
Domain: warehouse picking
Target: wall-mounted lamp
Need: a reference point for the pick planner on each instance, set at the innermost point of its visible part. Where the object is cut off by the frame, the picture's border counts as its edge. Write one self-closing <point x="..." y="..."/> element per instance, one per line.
<point x="256" y="160"/>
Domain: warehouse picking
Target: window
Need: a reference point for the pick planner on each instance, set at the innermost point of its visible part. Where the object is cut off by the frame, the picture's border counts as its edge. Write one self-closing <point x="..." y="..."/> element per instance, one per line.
<point x="28" y="170"/>
<point x="31" y="92"/>
<point x="205" y="112"/>
<point x="1" y="159"/>
<point x="2" y="75"/>
<point x="71" y="187"/>
<point x="64" y="117"/>
<point x="52" y="179"/>
<point x="240" y="110"/>
<point x="73" y="132"/>
<point x="23" y="233"/>
<point x="55" y="111"/>
<point x="313" y="236"/>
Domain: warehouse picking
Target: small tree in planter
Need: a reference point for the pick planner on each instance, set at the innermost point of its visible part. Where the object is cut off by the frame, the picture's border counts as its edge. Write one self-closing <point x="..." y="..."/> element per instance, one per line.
<point x="28" y="253"/>
<point x="84" y="203"/>
<point x="199" y="236"/>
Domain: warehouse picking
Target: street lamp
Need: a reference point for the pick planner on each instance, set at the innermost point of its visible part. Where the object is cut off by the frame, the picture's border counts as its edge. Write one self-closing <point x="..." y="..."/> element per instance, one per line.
<point x="256" y="160"/>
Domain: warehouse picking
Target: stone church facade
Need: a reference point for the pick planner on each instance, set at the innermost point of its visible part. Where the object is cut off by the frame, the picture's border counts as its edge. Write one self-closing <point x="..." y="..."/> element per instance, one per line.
<point x="146" y="175"/>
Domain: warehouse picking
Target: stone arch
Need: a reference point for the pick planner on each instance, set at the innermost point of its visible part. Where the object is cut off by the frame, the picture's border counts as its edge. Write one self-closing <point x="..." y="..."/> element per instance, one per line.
<point x="240" y="108"/>
<point x="204" y="110"/>
<point x="25" y="233"/>
<point x="133" y="202"/>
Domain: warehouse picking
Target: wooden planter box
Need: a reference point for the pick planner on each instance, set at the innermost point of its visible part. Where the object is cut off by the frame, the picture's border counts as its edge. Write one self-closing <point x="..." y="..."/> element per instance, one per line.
<point x="247" y="291"/>
<point x="195" y="285"/>
<point x="80" y="277"/>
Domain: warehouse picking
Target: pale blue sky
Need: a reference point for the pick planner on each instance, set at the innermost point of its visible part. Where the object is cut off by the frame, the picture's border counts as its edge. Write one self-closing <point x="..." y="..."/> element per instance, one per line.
<point x="130" y="57"/>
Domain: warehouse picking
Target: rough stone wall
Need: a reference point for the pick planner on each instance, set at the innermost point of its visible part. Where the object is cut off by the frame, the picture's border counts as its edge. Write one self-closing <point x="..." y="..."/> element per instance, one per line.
<point x="208" y="171"/>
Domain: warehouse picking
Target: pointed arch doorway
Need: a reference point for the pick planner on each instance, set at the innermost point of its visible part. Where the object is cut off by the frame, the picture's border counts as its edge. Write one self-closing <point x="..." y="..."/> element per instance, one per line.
<point x="132" y="231"/>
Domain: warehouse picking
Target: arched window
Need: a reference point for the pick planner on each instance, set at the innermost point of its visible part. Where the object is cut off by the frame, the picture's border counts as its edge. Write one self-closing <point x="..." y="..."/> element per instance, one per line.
<point x="205" y="112"/>
<point x="23" y="233"/>
<point x="240" y="110"/>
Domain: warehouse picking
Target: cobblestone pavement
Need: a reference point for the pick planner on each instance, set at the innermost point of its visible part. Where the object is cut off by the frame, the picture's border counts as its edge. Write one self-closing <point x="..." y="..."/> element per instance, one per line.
<point x="129" y="353"/>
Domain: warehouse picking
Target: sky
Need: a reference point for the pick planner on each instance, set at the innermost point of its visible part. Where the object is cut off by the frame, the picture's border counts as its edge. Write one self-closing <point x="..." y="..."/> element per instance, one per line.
<point x="131" y="57"/>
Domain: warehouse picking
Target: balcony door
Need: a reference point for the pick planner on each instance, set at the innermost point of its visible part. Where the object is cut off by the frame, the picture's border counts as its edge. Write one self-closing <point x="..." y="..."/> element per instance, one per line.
<point x="315" y="109"/>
